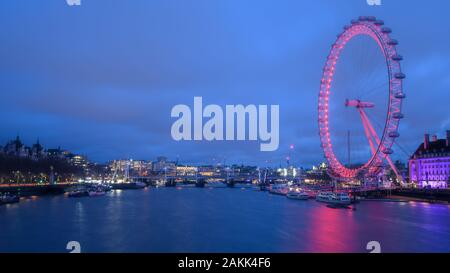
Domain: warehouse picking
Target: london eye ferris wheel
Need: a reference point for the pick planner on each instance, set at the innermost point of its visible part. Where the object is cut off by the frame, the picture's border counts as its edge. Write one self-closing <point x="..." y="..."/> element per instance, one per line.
<point x="361" y="94"/>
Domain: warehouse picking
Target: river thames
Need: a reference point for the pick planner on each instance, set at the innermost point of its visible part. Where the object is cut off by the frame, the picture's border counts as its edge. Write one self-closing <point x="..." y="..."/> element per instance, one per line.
<point x="218" y="219"/>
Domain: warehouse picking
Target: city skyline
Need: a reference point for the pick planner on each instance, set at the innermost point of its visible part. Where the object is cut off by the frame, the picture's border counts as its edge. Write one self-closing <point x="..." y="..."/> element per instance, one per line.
<point x="37" y="150"/>
<point x="79" y="85"/>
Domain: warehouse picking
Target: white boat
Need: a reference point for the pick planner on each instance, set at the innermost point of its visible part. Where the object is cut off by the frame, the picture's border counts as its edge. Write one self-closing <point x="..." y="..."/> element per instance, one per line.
<point x="340" y="199"/>
<point x="324" y="196"/>
<point x="299" y="195"/>
<point x="281" y="189"/>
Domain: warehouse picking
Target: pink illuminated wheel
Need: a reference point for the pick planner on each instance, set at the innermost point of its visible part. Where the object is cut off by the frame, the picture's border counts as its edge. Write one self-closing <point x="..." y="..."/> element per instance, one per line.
<point x="379" y="143"/>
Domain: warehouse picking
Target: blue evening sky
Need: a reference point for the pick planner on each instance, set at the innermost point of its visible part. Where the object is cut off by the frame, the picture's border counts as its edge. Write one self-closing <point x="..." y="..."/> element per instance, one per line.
<point x="100" y="79"/>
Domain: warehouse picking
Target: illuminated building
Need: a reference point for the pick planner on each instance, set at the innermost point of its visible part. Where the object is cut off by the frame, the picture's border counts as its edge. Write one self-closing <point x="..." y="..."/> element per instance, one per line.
<point x="57" y="153"/>
<point x="429" y="166"/>
<point x="317" y="175"/>
<point x="118" y="165"/>
<point x="141" y="167"/>
<point x="207" y="170"/>
<point x="135" y="167"/>
<point x="79" y="161"/>
<point x="186" y="170"/>
<point x="161" y="165"/>
<point x="289" y="172"/>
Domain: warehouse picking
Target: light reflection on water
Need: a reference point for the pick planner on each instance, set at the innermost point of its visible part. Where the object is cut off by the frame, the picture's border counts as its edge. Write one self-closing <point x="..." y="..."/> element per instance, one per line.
<point x="218" y="219"/>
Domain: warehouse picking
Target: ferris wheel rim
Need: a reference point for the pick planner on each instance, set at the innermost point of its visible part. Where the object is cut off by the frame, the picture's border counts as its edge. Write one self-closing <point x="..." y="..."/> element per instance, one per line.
<point x="369" y="26"/>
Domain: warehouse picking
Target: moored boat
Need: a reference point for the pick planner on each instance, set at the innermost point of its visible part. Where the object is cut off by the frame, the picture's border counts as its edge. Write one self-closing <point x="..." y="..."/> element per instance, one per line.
<point x="337" y="199"/>
<point x="128" y="185"/>
<point x="280" y="189"/>
<point x="8" y="198"/>
<point x="78" y="193"/>
<point x="105" y="187"/>
<point x="139" y="185"/>
<point x="96" y="192"/>
<point x="298" y="195"/>
<point x="340" y="199"/>
<point x="324" y="196"/>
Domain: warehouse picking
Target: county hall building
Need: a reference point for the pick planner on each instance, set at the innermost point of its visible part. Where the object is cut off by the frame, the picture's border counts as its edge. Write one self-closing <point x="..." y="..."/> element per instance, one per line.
<point x="429" y="166"/>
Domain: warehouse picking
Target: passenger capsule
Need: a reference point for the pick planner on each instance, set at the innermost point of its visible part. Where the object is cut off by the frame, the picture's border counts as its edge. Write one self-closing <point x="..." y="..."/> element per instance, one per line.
<point x="400" y="76"/>
<point x="379" y="22"/>
<point x="388" y="151"/>
<point x="397" y="57"/>
<point x="394" y="134"/>
<point x="386" y="30"/>
<point x="392" y="42"/>
<point x="397" y="115"/>
<point x="400" y="95"/>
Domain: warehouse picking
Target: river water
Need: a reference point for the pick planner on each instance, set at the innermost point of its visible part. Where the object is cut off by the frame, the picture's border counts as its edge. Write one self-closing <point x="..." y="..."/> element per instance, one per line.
<point x="218" y="219"/>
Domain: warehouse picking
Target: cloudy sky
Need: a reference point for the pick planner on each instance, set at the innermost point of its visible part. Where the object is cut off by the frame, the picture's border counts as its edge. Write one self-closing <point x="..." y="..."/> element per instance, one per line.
<point x="100" y="79"/>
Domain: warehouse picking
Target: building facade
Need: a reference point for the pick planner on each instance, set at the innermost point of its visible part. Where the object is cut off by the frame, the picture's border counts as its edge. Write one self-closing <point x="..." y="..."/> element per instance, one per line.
<point x="186" y="170"/>
<point x="429" y="166"/>
<point x="162" y="165"/>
